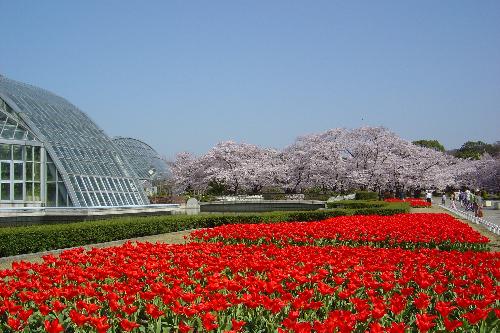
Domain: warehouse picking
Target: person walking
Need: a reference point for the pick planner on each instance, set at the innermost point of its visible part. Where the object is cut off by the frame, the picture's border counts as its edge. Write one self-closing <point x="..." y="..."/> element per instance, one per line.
<point x="473" y="203"/>
<point x="428" y="197"/>
<point x="468" y="200"/>
<point x="452" y="201"/>
<point x="443" y="199"/>
<point x="478" y="209"/>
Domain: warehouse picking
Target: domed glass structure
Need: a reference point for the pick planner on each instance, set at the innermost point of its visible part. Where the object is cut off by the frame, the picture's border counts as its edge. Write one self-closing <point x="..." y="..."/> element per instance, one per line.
<point x="146" y="162"/>
<point x="52" y="154"/>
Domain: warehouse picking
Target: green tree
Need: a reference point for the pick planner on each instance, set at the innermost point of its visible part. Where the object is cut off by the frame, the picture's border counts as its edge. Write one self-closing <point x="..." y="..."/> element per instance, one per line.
<point x="475" y="149"/>
<point x="433" y="144"/>
<point x="495" y="149"/>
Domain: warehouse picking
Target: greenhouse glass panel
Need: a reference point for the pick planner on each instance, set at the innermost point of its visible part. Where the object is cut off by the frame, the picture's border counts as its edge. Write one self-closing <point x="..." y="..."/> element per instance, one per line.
<point x="88" y="185"/>
<point x="112" y="199"/>
<point x="29" y="153"/>
<point x="5" y="152"/>
<point x="29" y="171"/>
<point x="5" y="171"/>
<point x="18" y="191"/>
<point x="19" y="134"/>
<point x="51" y="194"/>
<point x="101" y="199"/>
<point x="95" y="200"/>
<point x="51" y="172"/>
<point x="81" y="186"/>
<point x="8" y="130"/>
<point x="112" y="184"/>
<point x="36" y="151"/>
<point x="37" y="195"/>
<point x="88" y="199"/>
<point x="17" y="152"/>
<point x="80" y="197"/>
<point x="118" y="200"/>
<point x="29" y="191"/>
<point x="94" y="184"/>
<point x="4" y="191"/>
<point x="108" y="184"/>
<point x="62" y="195"/>
<point x="130" y="199"/>
<point x="18" y="171"/>
<point x="37" y="172"/>
<point x="100" y="184"/>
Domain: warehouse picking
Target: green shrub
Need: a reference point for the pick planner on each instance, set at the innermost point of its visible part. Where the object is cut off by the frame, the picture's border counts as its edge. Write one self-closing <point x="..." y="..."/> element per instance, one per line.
<point x="28" y="239"/>
<point x="317" y="196"/>
<point x="274" y="196"/>
<point x="317" y="193"/>
<point x="355" y="204"/>
<point x="365" y="195"/>
<point x="396" y="208"/>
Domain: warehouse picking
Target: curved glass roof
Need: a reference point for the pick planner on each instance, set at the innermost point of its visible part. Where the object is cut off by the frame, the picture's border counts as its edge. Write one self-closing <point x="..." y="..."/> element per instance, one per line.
<point x="93" y="170"/>
<point x="145" y="161"/>
<point x="11" y="128"/>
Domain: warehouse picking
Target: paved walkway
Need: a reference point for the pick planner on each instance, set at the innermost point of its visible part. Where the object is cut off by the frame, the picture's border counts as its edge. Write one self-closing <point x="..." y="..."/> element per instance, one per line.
<point x="489" y="213"/>
<point x="492" y="215"/>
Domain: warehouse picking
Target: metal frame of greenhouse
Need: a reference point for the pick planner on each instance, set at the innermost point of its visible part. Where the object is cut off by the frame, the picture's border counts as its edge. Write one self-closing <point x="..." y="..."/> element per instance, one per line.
<point x="52" y="154"/>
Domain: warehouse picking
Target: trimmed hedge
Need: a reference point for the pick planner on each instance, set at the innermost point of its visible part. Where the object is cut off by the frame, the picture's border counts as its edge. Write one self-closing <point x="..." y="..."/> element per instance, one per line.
<point x="366" y="195"/>
<point x="387" y="210"/>
<point x="29" y="239"/>
<point x="355" y="204"/>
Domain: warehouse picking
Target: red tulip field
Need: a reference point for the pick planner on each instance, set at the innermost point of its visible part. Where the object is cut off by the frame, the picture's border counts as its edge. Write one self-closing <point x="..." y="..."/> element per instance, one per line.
<point x="345" y="274"/>
<point x="403" y="230"/>
<point x="415" y="203"/>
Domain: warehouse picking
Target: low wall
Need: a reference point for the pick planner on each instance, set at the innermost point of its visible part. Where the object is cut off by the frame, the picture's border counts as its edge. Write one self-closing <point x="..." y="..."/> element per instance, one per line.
<point x="40" y="215"/>
<point x="260" y="206"/>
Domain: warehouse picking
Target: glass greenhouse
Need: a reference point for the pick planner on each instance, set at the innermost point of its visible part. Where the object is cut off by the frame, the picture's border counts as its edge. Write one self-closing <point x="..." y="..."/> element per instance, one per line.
<point x="146" y="162"/>
<point x="52" y="154"/>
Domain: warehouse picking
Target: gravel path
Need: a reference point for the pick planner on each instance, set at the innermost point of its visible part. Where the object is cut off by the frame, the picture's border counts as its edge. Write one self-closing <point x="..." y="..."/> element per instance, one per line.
<point x="178" y="238"/>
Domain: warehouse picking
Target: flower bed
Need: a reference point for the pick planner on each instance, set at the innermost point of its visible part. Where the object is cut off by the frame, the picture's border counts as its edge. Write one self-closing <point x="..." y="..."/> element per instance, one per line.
<point x="215" y="287"/>
<point x="37" y="238"/>
<point x="414" y="202"/>
<point x="408" y="231"/>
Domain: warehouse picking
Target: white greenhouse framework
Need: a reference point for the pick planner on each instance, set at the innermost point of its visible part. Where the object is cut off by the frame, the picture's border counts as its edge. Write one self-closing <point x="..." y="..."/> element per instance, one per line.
<point x="52" y="154"/>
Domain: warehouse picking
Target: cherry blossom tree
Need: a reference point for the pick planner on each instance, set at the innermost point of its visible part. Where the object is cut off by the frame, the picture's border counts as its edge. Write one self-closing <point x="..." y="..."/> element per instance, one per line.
<point x="241" y="167"/>
<point x="371" y="158"/>
<point x="187" y="173"/>
<point x="480" y="174"/>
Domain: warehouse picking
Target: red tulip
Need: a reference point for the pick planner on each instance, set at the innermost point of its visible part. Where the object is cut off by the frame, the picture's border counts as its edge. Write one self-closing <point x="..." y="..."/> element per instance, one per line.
<point x="425" y="322"/>
<point x="53" y="326"/>
<point x="237" y="325"/>
<point x="422" y="301"/>
<point x="153" y="311"/>
<point x="183" y="328"/>
<point x="452" y="325"/>
<point x="15" y="323"/>
<point x="127" y="325"/>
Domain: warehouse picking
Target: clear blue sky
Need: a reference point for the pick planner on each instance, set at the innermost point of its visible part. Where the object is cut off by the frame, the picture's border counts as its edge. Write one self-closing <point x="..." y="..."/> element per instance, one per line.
<point x="184" y="75"/>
